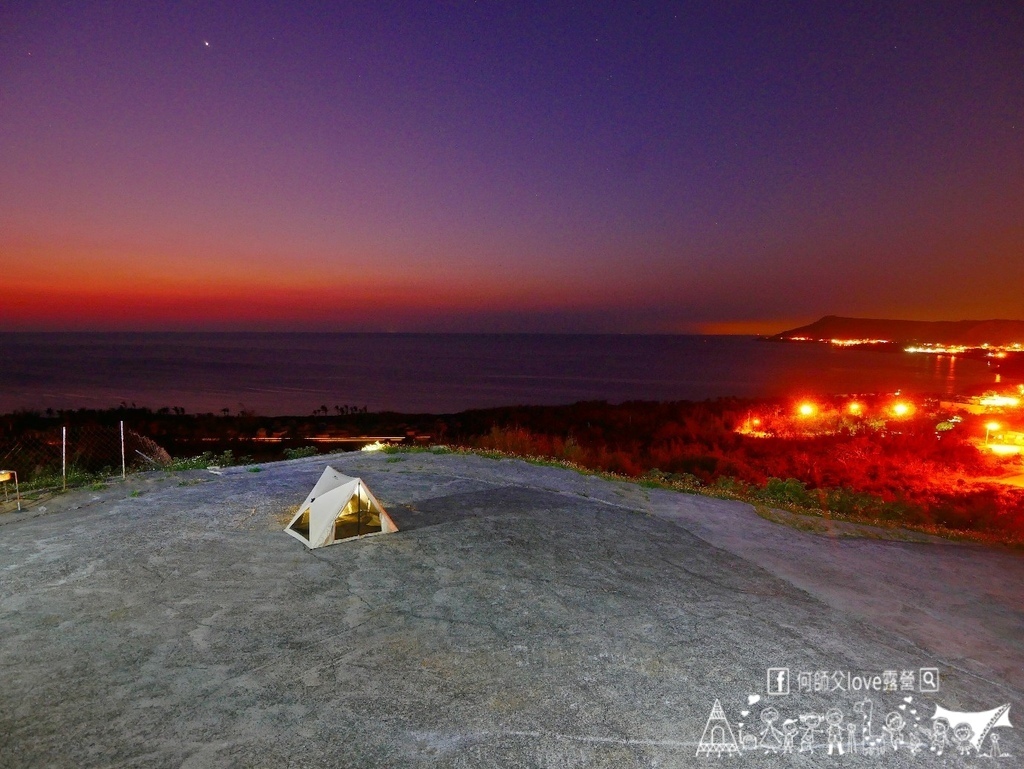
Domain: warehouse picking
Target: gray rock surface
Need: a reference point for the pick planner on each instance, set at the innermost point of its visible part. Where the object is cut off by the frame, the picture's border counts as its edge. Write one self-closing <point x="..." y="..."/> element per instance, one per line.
<point x="524" y="616"/>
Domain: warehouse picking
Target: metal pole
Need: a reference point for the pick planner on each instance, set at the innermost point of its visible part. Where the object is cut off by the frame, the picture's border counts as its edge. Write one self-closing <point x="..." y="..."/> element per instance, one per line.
<point x="123" y="471"/>
<point x="359" y="505"/>
<point x="64" y="455"/>
<point x="17" y="491"/>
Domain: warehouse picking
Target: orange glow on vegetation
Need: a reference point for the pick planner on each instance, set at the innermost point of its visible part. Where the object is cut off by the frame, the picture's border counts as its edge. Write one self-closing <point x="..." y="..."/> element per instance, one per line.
<point x="999" y="401"/>
<point x="752" y="426"/>
<point x="1004" y="449"/>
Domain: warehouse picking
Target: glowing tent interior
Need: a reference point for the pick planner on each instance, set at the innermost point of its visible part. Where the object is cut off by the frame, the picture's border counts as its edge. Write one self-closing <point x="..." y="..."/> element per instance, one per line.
<point x="338" y="507"/>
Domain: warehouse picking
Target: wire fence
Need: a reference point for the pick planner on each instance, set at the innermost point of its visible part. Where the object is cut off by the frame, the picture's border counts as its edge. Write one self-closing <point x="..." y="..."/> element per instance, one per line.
<point x="69" y="456"/>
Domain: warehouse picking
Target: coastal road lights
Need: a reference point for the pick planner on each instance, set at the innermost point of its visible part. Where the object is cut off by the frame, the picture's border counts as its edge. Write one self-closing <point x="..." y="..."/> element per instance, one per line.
<point x="855" y="409"/>
<point x="990" y="428"/>
<point x="807" y="409"/>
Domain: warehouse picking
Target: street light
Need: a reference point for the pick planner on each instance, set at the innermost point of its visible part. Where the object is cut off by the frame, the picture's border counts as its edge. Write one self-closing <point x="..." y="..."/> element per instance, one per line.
<point x="990" y="428"/>
<point x="900" y="409"/>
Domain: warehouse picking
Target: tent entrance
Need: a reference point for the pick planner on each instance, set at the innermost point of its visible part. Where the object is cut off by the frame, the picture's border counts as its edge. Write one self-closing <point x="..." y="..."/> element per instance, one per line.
<point x="301" y="524"/>
<point x="357" y="518"/>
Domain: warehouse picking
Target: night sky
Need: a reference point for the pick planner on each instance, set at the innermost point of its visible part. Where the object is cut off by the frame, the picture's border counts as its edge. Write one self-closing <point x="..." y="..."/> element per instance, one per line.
<point x="492" y="166"/>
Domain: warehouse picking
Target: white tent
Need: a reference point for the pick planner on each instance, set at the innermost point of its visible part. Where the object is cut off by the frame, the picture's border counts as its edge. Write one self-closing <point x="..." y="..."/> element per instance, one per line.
<point x="338" y="507"/>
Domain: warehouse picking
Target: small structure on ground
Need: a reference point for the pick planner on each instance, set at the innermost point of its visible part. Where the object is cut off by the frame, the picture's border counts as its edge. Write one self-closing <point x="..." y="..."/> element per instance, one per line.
<point x="339" y="507"/>
<point x="5" y="478"/>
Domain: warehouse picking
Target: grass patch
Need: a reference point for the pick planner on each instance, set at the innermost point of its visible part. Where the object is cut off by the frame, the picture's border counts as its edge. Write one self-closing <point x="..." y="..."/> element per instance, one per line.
<point x="801" y="508"/>
<point x="301" y="453"/>
<point x="52" y="481"/>
<point x="207" y="460"/>
<point x="200" y="462"/>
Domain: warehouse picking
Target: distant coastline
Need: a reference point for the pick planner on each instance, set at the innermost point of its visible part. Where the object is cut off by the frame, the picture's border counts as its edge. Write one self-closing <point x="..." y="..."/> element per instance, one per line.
<point x="1000" y="343"/>
<point x="963" y="333"/>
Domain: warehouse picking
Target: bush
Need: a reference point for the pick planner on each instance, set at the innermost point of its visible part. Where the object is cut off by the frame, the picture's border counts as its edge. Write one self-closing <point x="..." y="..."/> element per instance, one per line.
<point x="204" y="460"/>
<point x="789" y="491"/>
<point x="300" y="453"/>
<point x="733" y="486"/>
<point x="511" y="440"/>
<point x="847" y="503"/>
<point x="685" y="480"/>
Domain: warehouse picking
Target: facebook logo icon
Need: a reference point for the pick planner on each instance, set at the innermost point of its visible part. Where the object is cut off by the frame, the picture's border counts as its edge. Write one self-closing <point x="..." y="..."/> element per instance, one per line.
<point x="778" y="680"/>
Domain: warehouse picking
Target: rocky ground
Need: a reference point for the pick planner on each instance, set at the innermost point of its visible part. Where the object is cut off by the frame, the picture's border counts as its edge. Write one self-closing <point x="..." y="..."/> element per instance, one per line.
<point x="523" y="616"/>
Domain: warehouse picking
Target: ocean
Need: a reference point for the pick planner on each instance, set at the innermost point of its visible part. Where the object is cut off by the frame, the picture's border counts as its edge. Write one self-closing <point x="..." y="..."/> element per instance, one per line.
<point x="295" y="373"/>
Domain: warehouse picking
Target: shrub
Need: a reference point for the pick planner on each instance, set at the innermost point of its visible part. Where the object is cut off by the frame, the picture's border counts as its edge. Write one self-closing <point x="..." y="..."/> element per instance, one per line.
<point x="733" y="486"/>
<point x="789" y="491"/>
<point x="847" y="503"/>
<point x="200" y="462"/>
<point x="301" y="452"/>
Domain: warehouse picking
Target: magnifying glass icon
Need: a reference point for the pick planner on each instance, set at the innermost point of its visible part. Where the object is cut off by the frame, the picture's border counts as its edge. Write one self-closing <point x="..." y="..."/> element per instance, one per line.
<point x="929" y="679"/>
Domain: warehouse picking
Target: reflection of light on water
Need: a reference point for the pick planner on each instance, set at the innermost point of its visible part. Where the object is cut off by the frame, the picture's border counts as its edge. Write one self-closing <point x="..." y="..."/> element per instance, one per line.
<point x="944" y="369"/>
<point x="950" y="375"/>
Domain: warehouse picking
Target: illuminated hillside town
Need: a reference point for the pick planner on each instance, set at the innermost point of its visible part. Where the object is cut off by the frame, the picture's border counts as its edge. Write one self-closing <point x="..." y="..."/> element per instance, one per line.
<point x="997" y="351"/>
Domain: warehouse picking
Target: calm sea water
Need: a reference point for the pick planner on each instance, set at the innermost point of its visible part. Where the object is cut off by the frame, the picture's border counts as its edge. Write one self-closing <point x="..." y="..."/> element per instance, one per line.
<point x="275" y="374"/>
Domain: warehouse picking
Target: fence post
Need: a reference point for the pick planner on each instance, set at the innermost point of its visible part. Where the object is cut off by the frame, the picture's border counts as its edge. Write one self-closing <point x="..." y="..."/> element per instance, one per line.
<point x="123" y="472"/>
<point x="64" y="455"/>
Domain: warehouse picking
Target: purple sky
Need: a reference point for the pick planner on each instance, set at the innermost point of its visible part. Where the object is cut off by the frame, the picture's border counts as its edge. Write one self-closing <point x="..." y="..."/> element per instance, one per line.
<point x="477" y="167"/>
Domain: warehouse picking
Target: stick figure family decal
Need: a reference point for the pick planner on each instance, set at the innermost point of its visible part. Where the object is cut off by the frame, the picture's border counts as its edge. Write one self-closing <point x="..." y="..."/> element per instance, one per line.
<point x="870" y="724"/>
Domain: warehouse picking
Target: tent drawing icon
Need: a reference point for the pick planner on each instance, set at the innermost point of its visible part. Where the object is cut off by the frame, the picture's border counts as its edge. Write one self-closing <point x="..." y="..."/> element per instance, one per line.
<point x="339" y="507"/>
<point x="718" y="738"/>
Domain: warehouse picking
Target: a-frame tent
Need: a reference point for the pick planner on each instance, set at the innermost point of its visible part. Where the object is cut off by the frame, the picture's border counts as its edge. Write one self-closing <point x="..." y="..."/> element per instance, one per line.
<point x="338" y="507"/>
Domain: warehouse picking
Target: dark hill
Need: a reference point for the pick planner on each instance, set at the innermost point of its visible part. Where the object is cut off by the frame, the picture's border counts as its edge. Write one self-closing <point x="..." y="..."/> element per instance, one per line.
<point x="965" y="332"/>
